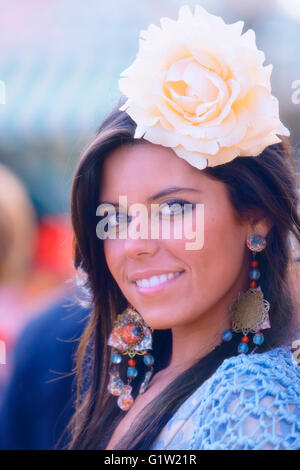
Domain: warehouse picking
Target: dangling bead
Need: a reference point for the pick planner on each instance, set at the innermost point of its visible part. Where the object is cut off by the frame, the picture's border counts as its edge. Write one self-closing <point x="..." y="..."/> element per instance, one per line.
<point x="132" y="362"/>
<point x="245" y="339"/>
<point x="254" y="263"/>
<point x="227" y="335"/>
<point x="115" y="383"/>
<point x="125" y="400"/>
<point x="132" y="372"/>
<point x="148" y="360"/>
<point x="243" y="348"/>
<point x="258" y="338"/>
<point x="254" y="274"/>
<point x="253" y="284"/>
<point x="146" y="381"/>
<point x="116" y="358"/>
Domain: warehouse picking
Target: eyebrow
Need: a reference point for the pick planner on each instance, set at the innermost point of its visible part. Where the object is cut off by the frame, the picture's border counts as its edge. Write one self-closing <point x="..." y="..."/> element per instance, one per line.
<point x="173" y="189"/>
<point x="164" y="192"/>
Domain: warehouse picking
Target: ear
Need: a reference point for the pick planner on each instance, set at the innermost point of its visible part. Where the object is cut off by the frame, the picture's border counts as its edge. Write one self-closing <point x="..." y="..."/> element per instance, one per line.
<point x="258" y="222"/>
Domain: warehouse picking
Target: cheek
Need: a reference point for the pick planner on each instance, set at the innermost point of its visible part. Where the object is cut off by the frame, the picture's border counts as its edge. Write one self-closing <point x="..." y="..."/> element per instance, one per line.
<point x="113" y="256"/>
<point x="216" y="266"/>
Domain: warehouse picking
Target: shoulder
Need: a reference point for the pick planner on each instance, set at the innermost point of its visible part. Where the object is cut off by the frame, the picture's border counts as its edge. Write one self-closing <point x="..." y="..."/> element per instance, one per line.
<point x="256" y="375"/>
<point x="269" y="368"/>
<point x="61" y="321"/>
<point x="251" y="402"/>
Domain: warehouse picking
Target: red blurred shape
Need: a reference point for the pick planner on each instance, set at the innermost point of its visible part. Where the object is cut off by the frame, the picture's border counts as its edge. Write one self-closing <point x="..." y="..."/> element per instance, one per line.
<point x="54" y="245"/>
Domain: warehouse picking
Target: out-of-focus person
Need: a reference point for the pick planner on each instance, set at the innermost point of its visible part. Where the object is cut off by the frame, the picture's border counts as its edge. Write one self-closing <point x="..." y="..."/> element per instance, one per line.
<point x="39" y="398"/>
<point x="17" y="244"/>
<point x="35" y="260"/>
<point x="40" y="321"/>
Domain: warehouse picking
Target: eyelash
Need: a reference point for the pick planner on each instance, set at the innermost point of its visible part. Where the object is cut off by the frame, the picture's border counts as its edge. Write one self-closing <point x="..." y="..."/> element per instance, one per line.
<point x="180" y="202"/>
<point x="170" y="202"/>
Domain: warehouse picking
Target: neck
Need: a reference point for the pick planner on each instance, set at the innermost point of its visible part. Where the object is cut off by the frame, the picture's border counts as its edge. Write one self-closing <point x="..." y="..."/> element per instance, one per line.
<point x="193" y="341"/>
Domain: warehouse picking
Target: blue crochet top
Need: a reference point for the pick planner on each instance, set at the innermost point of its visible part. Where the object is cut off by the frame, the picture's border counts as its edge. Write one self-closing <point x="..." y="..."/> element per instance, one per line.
<point x="250" y="402"/>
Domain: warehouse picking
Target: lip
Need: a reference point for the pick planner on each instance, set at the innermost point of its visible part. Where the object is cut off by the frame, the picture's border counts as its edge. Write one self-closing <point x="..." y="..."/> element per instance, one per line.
<point x="154" y="289"/>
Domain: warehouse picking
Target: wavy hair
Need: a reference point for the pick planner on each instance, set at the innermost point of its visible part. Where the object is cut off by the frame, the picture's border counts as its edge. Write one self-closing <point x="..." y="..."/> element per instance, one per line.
<point x="267" y="182"/>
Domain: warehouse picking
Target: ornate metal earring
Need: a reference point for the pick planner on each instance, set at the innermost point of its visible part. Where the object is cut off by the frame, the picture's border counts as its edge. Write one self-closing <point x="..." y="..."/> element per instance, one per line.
<point x="249" y="312"/>
<point x="130" y="336"/>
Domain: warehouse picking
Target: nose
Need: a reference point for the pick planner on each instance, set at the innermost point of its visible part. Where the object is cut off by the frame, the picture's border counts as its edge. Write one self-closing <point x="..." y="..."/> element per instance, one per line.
<point x="140" y="247"/>
<point x="143" y="235"/>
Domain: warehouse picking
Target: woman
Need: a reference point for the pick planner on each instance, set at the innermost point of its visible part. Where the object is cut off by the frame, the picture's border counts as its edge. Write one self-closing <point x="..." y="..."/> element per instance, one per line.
<point x="203" y="334"/>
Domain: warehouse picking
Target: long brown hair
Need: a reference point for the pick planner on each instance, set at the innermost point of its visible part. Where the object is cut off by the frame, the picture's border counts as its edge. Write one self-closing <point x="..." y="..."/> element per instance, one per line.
<point x="267" y="182"/>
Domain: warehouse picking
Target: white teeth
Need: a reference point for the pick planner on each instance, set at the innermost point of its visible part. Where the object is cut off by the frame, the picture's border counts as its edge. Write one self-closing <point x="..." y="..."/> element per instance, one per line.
<point x="155" y="280"/>
<point x="163" y="278"/>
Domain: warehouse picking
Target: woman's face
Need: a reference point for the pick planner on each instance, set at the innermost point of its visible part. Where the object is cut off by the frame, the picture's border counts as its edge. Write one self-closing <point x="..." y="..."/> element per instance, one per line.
<point x="207" y="275"/>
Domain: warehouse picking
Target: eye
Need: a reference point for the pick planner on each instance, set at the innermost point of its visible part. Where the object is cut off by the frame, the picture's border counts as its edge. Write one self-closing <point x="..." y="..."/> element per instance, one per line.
<point x="175" y="208"/>
<point x="116" y="219"/>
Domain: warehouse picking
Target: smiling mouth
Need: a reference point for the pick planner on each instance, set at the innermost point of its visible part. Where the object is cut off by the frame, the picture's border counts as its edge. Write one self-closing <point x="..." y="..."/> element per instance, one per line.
<point x="156" y="283"/>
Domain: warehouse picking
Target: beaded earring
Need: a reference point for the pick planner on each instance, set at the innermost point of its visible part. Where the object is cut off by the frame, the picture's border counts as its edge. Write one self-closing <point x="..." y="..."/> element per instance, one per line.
<point x="249" y="312"/>
<point x="130" y="336"/>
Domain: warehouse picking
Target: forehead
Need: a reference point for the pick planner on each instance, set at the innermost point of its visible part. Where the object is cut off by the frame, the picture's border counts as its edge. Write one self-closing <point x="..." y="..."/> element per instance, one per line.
<point x="145" y="168"/>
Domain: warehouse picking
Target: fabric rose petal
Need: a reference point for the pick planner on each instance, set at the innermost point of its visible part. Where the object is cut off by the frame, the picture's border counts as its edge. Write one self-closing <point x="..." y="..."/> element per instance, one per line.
<point x="199" y="86"/>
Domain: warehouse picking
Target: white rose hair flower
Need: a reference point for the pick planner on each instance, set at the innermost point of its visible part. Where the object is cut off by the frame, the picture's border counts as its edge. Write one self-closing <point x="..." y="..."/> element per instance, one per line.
<point x="199" y="86"/>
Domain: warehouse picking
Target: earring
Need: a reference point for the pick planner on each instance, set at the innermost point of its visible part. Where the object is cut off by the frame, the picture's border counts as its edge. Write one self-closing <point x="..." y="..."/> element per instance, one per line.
<point x="130" y="336"/>
<point x="249" y="312"/>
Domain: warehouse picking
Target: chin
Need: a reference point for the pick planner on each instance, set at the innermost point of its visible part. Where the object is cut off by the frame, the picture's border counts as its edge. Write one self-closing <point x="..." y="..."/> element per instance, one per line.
<point x="159" y="320"/>
<point x="156" y="319"/>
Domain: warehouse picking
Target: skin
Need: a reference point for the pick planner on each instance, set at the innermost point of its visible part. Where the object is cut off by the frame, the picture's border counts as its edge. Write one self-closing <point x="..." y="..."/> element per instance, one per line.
<point x="196" y="306"/>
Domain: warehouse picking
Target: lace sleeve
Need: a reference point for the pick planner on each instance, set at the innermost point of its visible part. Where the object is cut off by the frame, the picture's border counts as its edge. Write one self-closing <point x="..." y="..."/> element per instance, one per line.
<point x="251" y="405"/>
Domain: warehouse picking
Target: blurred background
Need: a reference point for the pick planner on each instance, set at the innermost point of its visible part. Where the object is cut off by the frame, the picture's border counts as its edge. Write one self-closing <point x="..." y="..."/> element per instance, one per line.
<point x="60" y="63"/>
